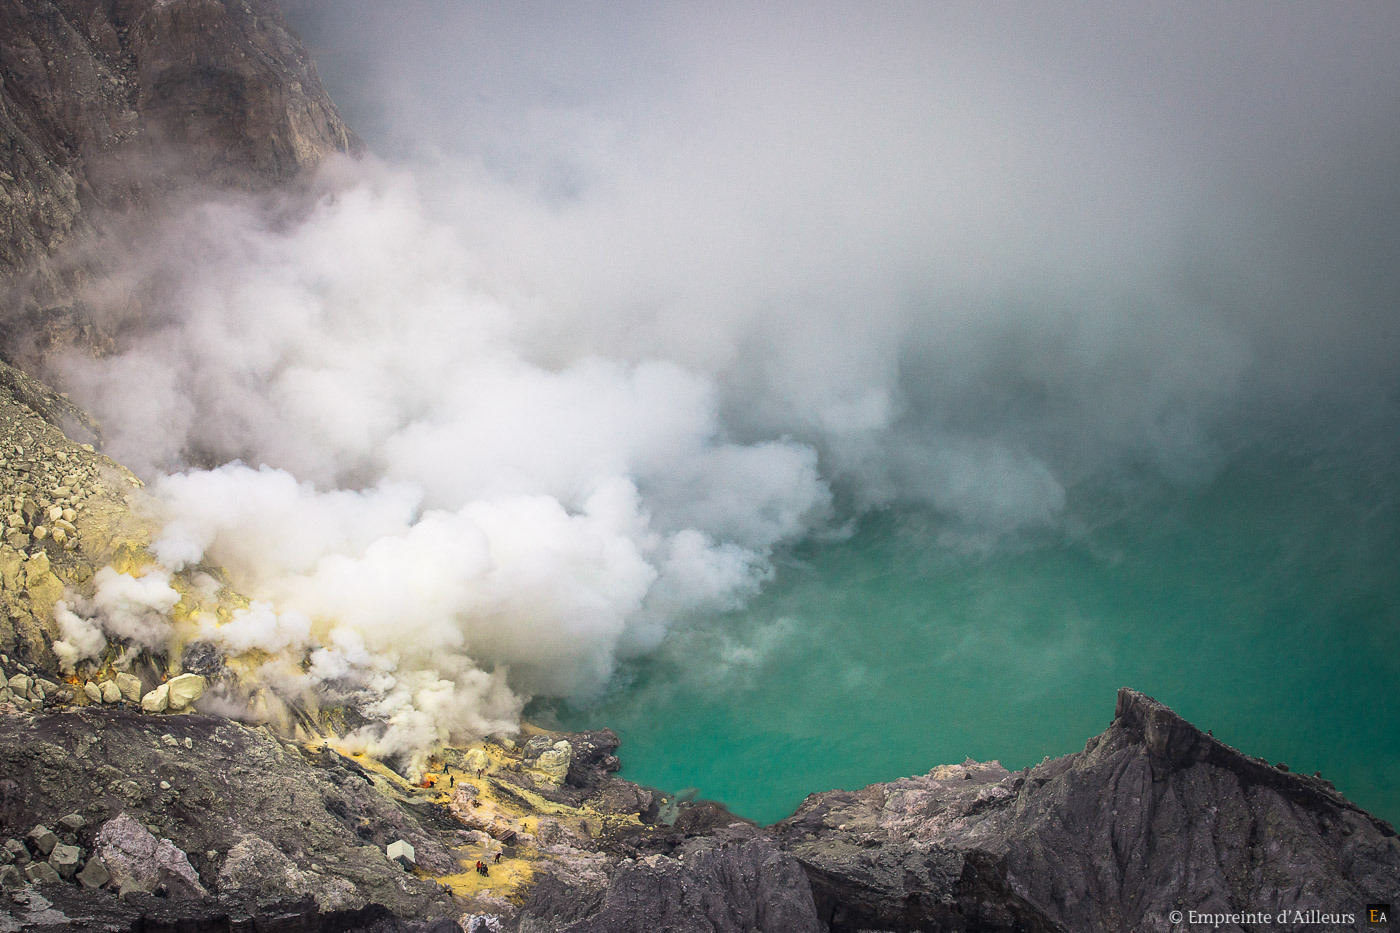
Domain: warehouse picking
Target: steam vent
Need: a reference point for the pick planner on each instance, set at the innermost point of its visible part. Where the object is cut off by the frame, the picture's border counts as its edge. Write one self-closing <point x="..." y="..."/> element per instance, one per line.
<point x="811" y="397"/>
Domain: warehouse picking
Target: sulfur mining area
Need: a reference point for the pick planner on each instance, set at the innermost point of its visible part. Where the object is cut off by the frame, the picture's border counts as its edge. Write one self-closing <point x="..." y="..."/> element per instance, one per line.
<point x="128" y="803"/>
<point x="154" y="778"/>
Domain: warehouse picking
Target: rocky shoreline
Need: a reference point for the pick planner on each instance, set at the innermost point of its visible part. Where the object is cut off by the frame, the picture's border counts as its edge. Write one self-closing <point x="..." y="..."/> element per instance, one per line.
<point x="240" y="826"/>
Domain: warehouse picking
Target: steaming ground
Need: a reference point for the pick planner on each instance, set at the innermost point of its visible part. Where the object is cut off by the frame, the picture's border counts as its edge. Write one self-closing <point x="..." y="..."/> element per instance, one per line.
<point x="650" y="299"/>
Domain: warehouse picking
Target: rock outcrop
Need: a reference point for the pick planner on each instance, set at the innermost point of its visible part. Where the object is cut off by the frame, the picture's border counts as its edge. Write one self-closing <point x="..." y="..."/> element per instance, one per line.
<point x="215" y="815"/>
<point x="110" y="104"/>
<point x="1153" y="816"/>
<point x="734" y="887"/>
<point x="138" y="861"/>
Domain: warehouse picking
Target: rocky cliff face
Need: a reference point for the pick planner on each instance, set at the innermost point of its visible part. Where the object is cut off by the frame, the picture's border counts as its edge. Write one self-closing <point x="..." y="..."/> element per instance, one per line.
<point x="1153" y="816"/>
<point x="110" y="104"/>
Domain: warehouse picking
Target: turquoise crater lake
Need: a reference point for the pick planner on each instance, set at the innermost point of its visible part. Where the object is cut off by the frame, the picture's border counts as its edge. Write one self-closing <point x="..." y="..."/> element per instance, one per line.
<point x="1262" y="603"/>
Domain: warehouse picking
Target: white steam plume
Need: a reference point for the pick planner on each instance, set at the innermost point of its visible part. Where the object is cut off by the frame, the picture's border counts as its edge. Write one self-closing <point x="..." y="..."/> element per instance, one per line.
<point x="135" y="608"/>
<point x="678" y="280"/>
<point x="433" y="516"/>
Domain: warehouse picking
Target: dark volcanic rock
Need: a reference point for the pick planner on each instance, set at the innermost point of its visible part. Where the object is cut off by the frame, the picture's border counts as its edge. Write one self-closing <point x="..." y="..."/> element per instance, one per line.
<point x="107" y="104"/>
<point x="237" y="799"/>
<point x="1153" y="816"/>
<point x="745" y="887"/>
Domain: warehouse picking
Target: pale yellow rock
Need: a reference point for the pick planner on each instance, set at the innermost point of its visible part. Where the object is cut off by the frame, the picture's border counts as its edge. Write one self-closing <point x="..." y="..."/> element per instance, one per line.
<point x="44" y="589"/>
<point x="129" y="686"/>
<point x="10" y="565"/>
<point x="476" y="760"/>
<point x="554" y="762"/>
<point x="93" y="692"/>
<point x="158" y="700"/>
<point x="111" y="693"/>
<point x="185" y="689"/>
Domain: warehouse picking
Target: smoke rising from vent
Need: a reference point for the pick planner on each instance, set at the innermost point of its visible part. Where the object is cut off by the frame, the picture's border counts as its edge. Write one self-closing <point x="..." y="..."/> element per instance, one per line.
<point x="648" y="295"/>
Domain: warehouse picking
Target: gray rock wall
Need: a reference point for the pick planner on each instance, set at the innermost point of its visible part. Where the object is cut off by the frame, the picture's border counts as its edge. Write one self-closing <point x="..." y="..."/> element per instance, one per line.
<point x="109" y="104"/>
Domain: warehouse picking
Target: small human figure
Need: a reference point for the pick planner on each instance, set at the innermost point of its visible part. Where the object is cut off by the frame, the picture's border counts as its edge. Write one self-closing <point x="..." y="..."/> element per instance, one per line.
<point x="498" y="858"/>
<point x="452" y="780"/>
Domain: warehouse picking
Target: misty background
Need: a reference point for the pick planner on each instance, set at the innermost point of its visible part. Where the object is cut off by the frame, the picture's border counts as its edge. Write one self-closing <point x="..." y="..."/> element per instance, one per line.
<point x="974" y="253"/>
<point x="634" y="303"/>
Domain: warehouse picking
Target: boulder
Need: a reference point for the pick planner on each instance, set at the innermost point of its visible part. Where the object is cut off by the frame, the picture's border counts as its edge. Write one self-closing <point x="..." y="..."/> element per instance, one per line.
<point x="44" y="589"/>
<point x="111" y="693"/>
<point x="185" y="689"/>
<point x="129" y="686"/>
<point x="138" y="860"/>
<point x="73" y="822"/>
<point x="20" y="684"/>
<point x="618" y="796"/>
<point x="19" y="852"/>
<point x="158" y="700"/>
<point x="65" y="860"/>
<point x="42" y="839"/>
<point x="401" y="852"/>
<point x="554" y="762"/>
<point x="94" y="874"/>
<point x="476" y="759"/>
<point x="10" y="878"/>
<point x="41" y="873"/>
<point x="93" y="692"/>
<point x="255" y="864"/>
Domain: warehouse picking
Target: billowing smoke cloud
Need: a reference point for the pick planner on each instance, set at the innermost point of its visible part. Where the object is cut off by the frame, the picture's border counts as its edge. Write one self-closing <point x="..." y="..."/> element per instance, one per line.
<point x="136" y="608"/>
<point x="438" y="524"/>
<point x="650" y="293"/>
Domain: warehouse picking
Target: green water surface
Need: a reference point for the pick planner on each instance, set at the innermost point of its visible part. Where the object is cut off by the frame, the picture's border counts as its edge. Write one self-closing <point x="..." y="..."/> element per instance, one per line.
<point x="1262" y="603"/>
